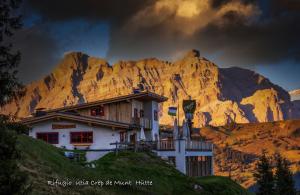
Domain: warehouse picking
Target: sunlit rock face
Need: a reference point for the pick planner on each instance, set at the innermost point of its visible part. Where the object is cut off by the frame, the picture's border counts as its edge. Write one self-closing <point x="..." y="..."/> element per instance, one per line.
<point x="222" y="95"/>
<point x="295" y="94"/>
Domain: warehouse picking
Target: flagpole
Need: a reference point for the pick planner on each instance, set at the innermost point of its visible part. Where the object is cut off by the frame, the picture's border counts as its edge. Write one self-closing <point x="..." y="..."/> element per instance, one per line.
<point x="178" y="114"/>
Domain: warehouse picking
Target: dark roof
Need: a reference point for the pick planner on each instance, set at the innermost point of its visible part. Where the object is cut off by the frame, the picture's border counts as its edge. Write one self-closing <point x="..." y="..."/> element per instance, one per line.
<point x="77" y="118"/>
<point x="138" y="96"/>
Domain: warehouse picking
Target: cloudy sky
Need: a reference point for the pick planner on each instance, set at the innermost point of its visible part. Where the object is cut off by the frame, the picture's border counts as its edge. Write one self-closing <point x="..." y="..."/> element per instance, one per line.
<point x="259" y="35"/>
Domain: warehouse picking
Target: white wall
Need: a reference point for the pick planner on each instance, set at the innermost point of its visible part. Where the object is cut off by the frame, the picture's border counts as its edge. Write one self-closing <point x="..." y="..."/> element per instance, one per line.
<point x="138" y="105"/>
<point x="102" y="136"/>
<point x="155" y="124"/>
<point x="149" y="113"/>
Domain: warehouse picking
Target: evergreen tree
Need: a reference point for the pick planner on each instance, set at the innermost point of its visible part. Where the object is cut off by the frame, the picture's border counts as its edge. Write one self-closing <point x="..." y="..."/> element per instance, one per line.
<point x="264" y="176"/>
<point x="284" y="183"/>
<point x="10" y="87"/>
<point x="12" y="180"/>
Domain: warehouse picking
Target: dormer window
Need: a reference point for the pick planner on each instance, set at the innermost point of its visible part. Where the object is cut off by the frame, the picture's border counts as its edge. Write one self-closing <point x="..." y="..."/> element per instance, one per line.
<point x="97" y="111"/>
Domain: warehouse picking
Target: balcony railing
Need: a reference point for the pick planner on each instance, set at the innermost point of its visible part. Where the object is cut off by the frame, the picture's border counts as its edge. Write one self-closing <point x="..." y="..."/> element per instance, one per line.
<point x="144" y="122"/>
<point x="198" y="145"/>
<point x="165" y="145"/>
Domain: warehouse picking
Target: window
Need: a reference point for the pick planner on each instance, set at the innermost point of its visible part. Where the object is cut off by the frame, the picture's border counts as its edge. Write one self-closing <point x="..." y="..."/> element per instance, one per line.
<point x="135" y="113"/>
<point x="49" y="137"/>
<point x="81" y="137"/>
<point x="141" y="113"/>
<point x="155" y="115"/>
<point x="97" y="111"/>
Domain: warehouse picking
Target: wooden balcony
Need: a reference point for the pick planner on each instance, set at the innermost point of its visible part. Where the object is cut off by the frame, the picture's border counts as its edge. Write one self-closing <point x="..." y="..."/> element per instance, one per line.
<point x="166" y="145"/>
<point x="194" y="145"/>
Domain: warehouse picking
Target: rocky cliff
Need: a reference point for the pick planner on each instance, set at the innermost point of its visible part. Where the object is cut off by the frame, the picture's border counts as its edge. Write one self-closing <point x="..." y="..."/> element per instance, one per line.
<point x="222" y="94"/>
<point x="295" y="94"/>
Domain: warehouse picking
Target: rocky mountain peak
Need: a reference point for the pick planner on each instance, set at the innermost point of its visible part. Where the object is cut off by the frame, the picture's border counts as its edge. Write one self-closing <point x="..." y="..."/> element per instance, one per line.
<point x="295" y="94"/>
<point x="222" y="95"/>
<point x="192" y="54"/>
<point x="72" y="54"/>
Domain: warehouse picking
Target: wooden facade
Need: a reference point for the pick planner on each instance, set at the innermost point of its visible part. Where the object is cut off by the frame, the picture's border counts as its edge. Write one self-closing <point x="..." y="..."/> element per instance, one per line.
<point x="197" y="166"/>
<point x="119" y="112"/>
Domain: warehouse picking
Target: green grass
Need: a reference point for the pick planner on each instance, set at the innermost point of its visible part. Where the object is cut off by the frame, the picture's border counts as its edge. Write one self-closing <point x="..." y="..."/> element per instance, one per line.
<point x="144" y="166"/>
<point x="220" y="185"/>
<point x="44" y="162"/>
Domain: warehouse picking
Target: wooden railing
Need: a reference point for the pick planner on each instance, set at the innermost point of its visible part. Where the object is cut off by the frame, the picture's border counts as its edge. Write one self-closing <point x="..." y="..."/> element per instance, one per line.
<point x="165" y="145"/>
<point x="198" y="145"/>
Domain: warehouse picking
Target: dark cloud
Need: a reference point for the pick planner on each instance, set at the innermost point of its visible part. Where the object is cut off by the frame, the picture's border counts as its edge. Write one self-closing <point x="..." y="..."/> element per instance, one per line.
<point x="260" y="43"/>
<point x="283" y="6"/>
<point x="242" y="32"/>
<point x="219" y="3"/>
<point x="38" y="53"/>
<point x="115" y="10"/>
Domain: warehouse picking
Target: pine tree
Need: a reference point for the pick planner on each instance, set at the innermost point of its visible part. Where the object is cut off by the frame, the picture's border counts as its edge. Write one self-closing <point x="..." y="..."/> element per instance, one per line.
<point x="10" y="87"/>
<point x="284" y="183"/>
<point x="12" y="180"/>
<point x="264" y="176"/>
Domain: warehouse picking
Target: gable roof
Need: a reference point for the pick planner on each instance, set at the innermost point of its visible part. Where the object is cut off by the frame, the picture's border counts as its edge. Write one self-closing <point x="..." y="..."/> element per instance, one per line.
<point x="77" y="118"/>
<point x="138" y="96"/>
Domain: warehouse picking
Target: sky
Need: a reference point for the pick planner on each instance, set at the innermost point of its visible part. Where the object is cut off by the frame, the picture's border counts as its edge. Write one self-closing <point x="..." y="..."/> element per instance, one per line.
<point x="258" y="35"/>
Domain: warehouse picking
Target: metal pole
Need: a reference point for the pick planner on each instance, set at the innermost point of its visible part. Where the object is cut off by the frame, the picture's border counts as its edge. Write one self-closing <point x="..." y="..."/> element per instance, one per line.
<point x="178" y="116"/>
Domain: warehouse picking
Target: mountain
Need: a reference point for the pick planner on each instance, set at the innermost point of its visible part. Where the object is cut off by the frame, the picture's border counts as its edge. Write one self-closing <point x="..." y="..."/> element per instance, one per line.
<point x="295" y="94"/>
<point x="222" y="94"/>
<point x="238" y="146"/>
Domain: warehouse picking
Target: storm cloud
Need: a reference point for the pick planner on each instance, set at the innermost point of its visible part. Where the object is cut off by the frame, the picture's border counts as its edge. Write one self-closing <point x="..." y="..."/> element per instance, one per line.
<point x="239" y="32"/>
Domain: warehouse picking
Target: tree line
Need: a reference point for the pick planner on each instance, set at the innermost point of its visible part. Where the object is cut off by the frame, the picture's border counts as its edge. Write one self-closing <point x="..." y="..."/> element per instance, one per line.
<point x="12" y="179"/>
<point x="273" y="176"/>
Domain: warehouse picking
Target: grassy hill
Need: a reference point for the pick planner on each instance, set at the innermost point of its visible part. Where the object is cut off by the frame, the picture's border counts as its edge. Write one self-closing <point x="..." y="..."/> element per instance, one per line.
<point x="44" y="162"/>
<point x="246" y="142"/>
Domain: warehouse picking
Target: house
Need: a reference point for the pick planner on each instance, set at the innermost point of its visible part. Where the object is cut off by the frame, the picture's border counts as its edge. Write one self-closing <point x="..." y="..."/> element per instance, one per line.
<point x="95" y="126"/>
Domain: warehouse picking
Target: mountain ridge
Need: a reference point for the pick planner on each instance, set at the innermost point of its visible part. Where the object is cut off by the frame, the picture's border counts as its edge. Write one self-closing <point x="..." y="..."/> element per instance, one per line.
<point x="222" y="94"/>
<point x="295" y="94"/>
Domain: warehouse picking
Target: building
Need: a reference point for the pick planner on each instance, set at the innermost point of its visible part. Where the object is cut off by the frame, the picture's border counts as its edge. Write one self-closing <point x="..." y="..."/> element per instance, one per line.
<point x="96" y="126"/>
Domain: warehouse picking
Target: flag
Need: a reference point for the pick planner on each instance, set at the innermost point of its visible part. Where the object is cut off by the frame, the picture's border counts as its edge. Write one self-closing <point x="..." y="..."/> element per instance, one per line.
<point x="172" y="111"/>
<point x="176" y="130"/>
<point x="189" y="106"/>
